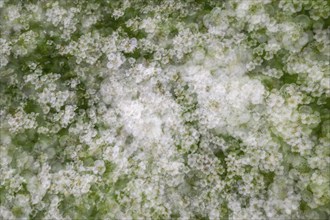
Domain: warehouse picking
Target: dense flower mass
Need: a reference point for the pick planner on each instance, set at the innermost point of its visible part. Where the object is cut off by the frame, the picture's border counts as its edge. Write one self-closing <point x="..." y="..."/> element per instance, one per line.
<point x="172" y="109"/>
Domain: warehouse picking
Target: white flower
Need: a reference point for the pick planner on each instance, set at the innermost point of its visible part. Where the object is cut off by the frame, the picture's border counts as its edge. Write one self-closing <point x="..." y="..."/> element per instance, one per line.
<point x="99" y="167"/>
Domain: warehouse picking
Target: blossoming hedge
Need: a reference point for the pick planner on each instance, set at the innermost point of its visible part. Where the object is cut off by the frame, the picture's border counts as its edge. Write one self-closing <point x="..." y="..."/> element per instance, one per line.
<point x="172" y="109"/>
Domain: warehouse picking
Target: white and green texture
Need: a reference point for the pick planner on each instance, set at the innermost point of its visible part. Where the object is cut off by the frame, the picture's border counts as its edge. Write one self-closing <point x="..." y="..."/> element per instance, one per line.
<point x="165" y="109"/>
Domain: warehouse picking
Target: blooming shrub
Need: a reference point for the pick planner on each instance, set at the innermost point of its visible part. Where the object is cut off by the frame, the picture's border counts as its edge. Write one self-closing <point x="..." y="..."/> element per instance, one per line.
<point x="169" y="109"/>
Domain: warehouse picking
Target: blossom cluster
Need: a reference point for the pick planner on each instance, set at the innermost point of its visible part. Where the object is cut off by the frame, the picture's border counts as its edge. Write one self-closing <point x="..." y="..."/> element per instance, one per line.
<point x="169" y="109"/>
